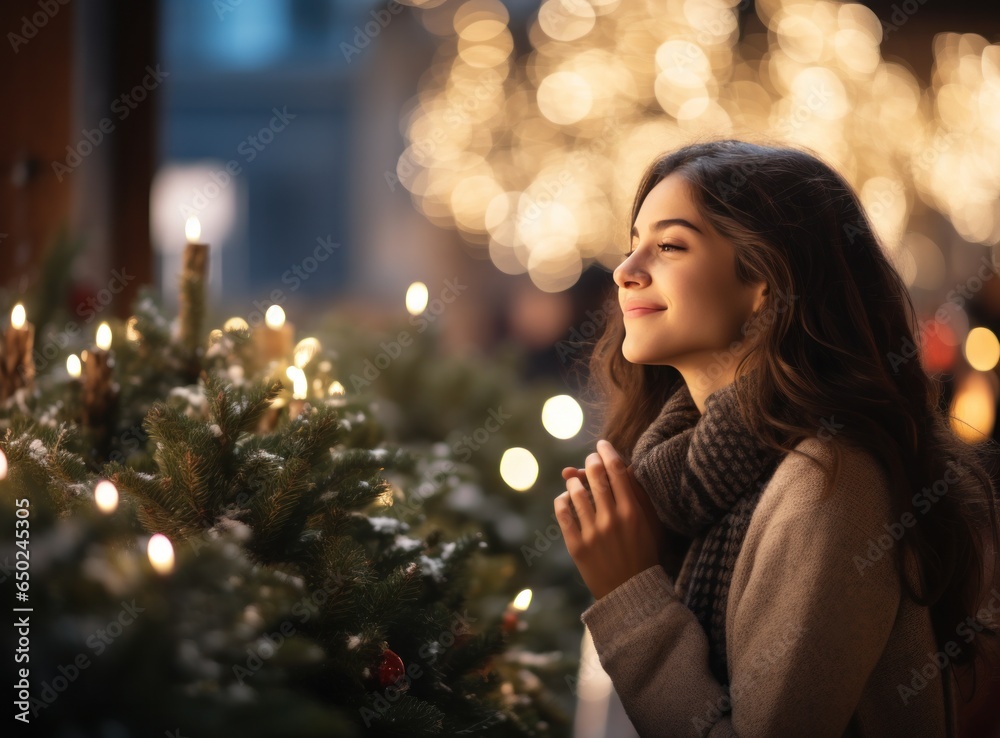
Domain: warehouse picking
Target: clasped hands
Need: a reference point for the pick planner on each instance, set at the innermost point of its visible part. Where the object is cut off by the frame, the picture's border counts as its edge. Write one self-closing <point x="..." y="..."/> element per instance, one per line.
<point x="611" y="529"/>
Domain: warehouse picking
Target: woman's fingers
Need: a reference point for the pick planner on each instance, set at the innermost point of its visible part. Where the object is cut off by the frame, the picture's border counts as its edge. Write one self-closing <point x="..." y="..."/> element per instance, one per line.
<point x="618" y="478"/>
<point x="582" y="502"/>
<point x="567" y="521"/>
<point x="604" y="497"/>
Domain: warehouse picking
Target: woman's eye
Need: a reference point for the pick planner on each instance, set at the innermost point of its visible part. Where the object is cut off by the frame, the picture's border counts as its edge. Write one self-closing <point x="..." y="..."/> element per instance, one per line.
<point x="668" y="246"/>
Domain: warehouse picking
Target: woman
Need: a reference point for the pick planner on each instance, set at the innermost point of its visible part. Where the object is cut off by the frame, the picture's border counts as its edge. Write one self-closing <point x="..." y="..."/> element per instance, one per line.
<point x="801" y="546"/>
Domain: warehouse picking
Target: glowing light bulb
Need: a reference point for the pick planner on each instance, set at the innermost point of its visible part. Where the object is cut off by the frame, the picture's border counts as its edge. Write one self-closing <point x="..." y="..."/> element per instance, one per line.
<point x="416" y="298"/>
<point x="235" y="324"/>
<point x="106" y="496"/>
<point x="161" y="553"/>
<point x="518" y="468"/>
<point x="104" y="336"/>
<point x="562" y="416"/>
<point x="18" y="317"/>
<point x="336" y="389"/>
<point x="73" y="366"/>
<point x="274" y="317"/>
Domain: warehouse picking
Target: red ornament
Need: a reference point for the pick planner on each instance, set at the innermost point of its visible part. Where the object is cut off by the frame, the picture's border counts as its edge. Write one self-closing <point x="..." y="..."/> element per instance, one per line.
<point x="390" y="669"/>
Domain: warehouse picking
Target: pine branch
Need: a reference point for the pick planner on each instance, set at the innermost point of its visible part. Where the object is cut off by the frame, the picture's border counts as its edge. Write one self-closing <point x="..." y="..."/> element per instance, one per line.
<point x="276" y="514"/>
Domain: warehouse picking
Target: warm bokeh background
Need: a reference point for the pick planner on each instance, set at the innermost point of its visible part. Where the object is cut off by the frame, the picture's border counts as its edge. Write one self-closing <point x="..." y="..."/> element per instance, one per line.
<point x="334" y="153"/>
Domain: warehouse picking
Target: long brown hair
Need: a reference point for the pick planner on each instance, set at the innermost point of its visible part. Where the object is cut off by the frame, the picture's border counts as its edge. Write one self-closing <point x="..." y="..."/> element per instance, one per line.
<point x="830" y="346"/>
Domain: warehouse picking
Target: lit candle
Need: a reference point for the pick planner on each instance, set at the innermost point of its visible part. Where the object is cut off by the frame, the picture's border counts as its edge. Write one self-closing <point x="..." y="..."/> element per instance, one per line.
<point x="337" y="393"/>
<point x="274" y="339"/>
<point x="98" y="390"/>
<point x="73" y="366"/>
<point x="299" y="391"/>
<point x="194" y="268"/>
<point x="17" y="369"/>
<point x="511" y="619"/>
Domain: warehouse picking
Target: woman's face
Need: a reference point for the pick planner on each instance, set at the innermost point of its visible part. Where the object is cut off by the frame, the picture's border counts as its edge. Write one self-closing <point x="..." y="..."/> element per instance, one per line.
<point x="682" y="302"/>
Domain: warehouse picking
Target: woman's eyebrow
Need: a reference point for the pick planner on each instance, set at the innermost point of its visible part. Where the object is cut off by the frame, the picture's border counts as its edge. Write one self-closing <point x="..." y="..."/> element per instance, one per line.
<point x="661" y="224"/>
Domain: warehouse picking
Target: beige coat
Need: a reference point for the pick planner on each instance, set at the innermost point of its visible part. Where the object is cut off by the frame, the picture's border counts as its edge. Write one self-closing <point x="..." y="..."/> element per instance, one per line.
<point x="821" y="640"/>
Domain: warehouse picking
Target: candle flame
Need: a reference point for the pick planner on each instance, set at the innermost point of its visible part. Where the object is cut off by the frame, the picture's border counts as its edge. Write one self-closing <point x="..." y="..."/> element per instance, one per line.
<point x="18" y="317"/>
<point x="106" y="496"/>
<point x="161" y="553"/>
<point x="104" y="336"/>
<point x="522" y="600"/>
<point x="3" y="465"/>
<point x="306" y="349"/>
<point x="192" y="229"/>
<point x="132" y="330"/>
<point x="299" y="383"/>
<point x="274" y="317"/>
<point x="73" y="366"/>
<point x="337" y="389"/>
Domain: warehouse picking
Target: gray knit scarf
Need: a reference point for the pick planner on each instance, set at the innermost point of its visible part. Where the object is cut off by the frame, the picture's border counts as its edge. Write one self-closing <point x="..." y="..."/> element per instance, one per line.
<point x="704" y="475"/>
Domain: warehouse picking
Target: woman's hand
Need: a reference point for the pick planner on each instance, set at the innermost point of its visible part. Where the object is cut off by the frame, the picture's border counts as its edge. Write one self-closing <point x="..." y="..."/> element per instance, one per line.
<point x="610" y="529"/>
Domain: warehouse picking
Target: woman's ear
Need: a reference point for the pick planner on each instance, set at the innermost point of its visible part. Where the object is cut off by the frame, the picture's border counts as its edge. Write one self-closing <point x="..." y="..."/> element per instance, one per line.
<point x="758" y="300"/>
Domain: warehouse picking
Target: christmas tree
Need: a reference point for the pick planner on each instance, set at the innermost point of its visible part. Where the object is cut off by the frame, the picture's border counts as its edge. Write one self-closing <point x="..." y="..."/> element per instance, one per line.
<point x="246" y="561"/>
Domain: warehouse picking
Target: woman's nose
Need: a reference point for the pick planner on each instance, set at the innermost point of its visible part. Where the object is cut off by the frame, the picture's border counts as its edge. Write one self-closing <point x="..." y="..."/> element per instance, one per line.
<point x="630" y="273"/>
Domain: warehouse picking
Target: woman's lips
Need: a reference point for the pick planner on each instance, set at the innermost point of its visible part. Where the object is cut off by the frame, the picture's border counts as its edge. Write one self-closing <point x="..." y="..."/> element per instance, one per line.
<point x="638" y="312"/>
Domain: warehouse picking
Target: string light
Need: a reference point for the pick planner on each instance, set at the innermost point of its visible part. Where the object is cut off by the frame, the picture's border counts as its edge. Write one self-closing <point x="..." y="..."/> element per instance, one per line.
<point x="577" y="116"/>
<point x="416" y="298"/>
<point x="518" y="468"/>
<point x="106" y="496"/>
<point x="161" y="553"/>
<point x="103" y="338"/>
<point x="562" y="416"/>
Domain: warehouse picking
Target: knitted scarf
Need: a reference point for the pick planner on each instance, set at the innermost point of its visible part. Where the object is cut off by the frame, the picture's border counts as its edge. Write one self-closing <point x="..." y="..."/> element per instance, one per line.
<point x="704" y="475"/>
